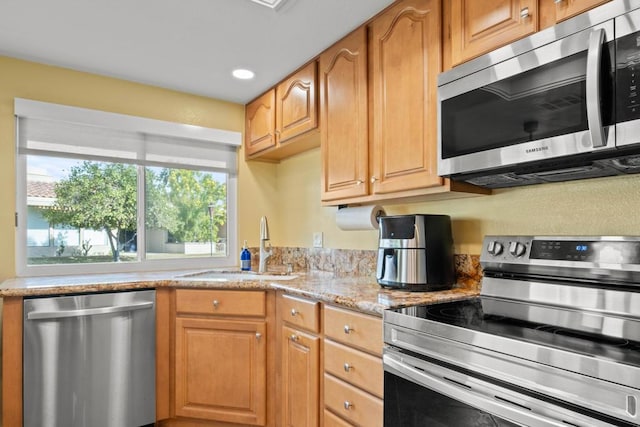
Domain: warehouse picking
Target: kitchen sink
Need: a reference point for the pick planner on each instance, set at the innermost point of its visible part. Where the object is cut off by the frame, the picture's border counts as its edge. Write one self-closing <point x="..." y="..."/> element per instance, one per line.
<point x="235" y="276"/>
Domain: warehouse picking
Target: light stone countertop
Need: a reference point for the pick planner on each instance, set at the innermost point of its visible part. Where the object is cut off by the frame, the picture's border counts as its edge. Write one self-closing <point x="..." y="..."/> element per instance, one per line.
<point x="359" y="293"/>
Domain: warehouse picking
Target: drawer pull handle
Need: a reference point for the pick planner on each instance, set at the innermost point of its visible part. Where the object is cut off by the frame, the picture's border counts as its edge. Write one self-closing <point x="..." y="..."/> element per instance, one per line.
<point x="294" y="337"/>
<point x="347" y="367"/>
<point x="294" y="312"/>
<point x="216" y="303"/>
<point x="348" y="405"/>
<point x="347" y="329"/>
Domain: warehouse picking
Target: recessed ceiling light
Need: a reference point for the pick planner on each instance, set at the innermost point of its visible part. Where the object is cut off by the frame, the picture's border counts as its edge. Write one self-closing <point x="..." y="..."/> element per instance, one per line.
<point x="272" y="4"/>
<point x="242" y="74"/>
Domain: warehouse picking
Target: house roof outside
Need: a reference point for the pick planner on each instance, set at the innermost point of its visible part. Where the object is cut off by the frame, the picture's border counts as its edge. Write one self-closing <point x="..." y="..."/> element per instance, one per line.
<point x="41" y="193"/>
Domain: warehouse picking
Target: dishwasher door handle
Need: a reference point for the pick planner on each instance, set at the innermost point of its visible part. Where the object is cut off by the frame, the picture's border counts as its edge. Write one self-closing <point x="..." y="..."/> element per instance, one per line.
<point x="45" y="315"/>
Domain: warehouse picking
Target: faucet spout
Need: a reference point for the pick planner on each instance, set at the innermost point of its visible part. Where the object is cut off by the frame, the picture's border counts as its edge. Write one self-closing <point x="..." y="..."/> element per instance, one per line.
<point x="264" y="253"/>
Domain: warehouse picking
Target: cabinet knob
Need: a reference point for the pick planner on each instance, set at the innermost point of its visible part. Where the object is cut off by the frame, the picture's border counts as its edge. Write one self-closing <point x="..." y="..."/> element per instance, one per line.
<point x="347" y="329"/>
<point x="557" y="1"/>
<point x="373" y="179"/>
<point x="347" y="367"/>
<point x="524" y="13"/>
<point x="348" y="405"/>
<point x="258" y="336"/>
<point x="359" y="182"/>
<point x="216" y="303"/>
<point x="294" y="312"/>
<point x="294" y="337"/>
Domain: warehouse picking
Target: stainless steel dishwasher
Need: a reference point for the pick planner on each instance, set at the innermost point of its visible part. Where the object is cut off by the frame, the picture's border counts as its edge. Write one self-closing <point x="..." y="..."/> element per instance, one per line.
<point x="89" y="360"/>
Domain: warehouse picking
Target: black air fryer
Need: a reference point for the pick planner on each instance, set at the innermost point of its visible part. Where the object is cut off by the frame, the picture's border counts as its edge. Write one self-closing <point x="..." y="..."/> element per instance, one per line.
<point x="415" y="252"/>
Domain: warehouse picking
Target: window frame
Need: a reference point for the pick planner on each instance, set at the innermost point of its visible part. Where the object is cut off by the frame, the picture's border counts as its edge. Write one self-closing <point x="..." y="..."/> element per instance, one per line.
<point x="24" y="108"/>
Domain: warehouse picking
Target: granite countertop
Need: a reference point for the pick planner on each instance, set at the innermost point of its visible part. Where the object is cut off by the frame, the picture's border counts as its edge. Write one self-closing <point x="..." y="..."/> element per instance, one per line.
<point x="360" y="293"/>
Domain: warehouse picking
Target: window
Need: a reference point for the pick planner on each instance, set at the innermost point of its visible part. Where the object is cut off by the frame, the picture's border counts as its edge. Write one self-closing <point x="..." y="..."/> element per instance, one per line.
<point x="103" y="192"/>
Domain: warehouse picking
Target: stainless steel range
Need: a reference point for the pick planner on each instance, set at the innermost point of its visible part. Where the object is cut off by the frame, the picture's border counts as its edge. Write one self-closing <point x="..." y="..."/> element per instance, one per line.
<point x="552" y="340"/>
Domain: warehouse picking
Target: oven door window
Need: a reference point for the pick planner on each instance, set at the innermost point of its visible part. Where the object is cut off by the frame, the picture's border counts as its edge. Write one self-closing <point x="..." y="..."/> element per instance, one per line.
<point x="407" y="404"/>
<point x="541" y="103"/>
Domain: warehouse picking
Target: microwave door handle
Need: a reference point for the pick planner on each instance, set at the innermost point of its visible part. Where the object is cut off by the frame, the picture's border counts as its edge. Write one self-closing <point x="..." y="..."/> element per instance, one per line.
<point x="594" y="115"/>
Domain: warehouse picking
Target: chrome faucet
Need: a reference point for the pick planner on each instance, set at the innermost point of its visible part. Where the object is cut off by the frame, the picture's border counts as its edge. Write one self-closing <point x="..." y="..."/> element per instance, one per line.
<point x="264" y="253"/>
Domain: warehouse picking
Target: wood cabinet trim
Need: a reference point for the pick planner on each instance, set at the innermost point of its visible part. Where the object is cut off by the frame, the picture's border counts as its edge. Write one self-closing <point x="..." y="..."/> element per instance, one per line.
<point x="12" y="318"/>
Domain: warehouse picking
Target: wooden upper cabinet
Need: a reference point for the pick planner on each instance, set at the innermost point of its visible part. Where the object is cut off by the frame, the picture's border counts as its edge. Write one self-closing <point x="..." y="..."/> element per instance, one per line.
<point x="296" y="108"/>
<point x="284" y="121"/>
<point x="554" y="11"/>
<point x="405" y="57"/>
<point x="344" y="118"/>
<point x="477" y="27"/>
<point x="260" y="124"/>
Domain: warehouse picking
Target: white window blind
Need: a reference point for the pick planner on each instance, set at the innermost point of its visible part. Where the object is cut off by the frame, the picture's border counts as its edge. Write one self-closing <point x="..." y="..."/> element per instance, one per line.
<point x="50" y="129"/>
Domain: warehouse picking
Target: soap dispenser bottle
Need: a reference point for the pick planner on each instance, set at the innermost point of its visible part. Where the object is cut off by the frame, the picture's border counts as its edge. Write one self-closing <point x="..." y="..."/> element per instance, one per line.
<point x="245" y="258"/>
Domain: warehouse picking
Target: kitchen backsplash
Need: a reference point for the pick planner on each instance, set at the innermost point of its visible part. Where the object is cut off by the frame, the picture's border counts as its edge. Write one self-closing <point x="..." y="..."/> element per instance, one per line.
<point x="348" y="262"/>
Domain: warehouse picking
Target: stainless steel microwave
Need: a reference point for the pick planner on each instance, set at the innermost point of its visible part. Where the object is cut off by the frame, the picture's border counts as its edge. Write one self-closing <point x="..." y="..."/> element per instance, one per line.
<point x="559" y="105"/>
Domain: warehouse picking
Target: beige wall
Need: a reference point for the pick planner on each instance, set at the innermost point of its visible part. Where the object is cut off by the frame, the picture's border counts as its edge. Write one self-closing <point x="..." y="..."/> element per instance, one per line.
<point x="607" y="206"/>
<point x="21" y="79"/>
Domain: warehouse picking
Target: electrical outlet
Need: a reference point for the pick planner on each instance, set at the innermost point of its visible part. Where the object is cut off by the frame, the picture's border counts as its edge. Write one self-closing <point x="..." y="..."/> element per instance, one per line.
<point x="317" y="239"/>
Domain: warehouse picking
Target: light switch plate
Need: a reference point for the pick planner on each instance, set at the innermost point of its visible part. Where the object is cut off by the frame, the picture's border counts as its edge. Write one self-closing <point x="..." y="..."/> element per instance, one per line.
<point x="317" y="239"/>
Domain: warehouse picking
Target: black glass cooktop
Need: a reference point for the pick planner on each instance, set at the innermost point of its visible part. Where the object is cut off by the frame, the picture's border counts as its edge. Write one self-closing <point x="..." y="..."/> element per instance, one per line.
<point x="472" y="314"/>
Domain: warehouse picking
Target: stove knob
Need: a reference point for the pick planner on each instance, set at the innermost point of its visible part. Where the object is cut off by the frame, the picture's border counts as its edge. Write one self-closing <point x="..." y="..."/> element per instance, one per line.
<point x="494" y="248"/>
<point x="517" y="249"/>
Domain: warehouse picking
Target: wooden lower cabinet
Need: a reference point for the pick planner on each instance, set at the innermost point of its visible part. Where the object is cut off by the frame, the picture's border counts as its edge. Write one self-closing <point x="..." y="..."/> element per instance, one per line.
<point x="332" y="420"/>
<point x="353" y="373"/>
<point x="222" y="367"/>
<point x="300" y="378"/>
<point x="354" y="405"/>
<point x="221" y="370"/>
<point x="299" y="359"/>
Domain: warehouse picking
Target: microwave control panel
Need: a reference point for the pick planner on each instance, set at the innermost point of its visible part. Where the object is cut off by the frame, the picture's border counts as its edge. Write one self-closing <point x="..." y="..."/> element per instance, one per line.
<point x="628" y="77"/>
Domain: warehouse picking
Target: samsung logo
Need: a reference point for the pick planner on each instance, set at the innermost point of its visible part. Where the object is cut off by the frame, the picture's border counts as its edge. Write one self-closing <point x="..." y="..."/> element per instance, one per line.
<point x="536" y="149"/>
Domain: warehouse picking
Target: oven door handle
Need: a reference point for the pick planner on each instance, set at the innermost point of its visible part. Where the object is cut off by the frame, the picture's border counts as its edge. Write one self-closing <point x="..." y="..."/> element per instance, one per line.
<point x="594" y="114"/>
<point x="487" y="397"/>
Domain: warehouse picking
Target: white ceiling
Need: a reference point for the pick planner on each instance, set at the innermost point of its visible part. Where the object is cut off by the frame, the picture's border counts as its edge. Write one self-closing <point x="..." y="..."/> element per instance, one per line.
<point x="186" y="45"/>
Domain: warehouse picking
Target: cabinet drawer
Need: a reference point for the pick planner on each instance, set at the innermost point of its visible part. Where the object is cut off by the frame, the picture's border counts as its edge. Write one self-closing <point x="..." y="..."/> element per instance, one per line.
<point x="300" y="312"/>
<point x="355" y="367"/>
<point x="213" y="301"/>
<point x="332" y="420"/>
<point x="352" y="404"/>
<point x="355" y="329"/>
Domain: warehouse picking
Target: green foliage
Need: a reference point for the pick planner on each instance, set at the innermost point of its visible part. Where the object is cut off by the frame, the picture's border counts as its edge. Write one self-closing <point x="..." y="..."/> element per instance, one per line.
<point x="103" y="196"/>
<point x="97" y="196"/>
<point x="185" y="196"/>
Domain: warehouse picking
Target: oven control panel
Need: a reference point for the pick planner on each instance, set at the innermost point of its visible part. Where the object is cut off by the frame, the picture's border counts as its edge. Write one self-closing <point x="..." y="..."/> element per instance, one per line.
<point x="505" y="252"/>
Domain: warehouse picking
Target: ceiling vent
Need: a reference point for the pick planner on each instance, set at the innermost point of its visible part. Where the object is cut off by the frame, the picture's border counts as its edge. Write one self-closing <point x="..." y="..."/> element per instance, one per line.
<point x="271" y="4"/>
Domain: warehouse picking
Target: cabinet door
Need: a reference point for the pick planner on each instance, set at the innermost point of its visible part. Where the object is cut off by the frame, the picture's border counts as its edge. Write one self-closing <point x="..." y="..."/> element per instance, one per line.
<point x="478" y="27"/>
<point x="221" y="370"/>
<point x="405" y="58"/>
<point x="260" y="121"/>
<point x="344" y="118"/>
<point x="296" y="109"/>
<point x="300" y="377"/>
<point x="566" y="9"/>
